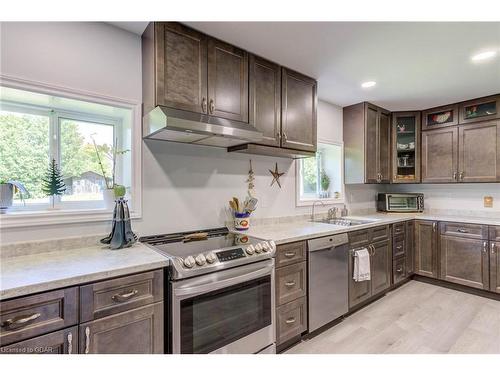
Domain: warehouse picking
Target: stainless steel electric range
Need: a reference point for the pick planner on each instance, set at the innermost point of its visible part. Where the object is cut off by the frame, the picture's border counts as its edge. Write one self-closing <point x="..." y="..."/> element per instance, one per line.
<point x="221" y="291"/>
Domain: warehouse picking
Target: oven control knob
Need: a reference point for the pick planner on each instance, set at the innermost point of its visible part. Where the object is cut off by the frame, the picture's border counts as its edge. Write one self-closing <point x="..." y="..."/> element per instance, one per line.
<point x="258" y="248"/>
<point x="265" y="247"/>
<point x="272" y="244"/>
<point x="250" y="250"/>
<point x="200" y="260"/>
<point x="211" y="258"/>
<point x="189" y="262"/>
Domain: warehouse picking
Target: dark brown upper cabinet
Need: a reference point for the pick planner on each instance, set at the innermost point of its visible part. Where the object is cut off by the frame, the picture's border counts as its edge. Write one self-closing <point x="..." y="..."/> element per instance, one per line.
<point x="440" y="117"/>
<point x="440" y="155"/>
<point x="265" y="96"/>
<point x="298" y="111"/>
<point x="187" y="70"/>
<point x="367" y="144"/>
<point x="482" y="109"/>
<point x="406" y="147"/>
<point x="176" y="56"/>
<point x="467" y="153"/>
<point x="227" y="81"/>
<point x="479" y="152"/>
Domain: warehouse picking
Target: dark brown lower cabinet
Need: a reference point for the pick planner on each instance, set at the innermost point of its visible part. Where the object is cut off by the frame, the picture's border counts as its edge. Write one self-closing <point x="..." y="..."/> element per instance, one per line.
<point x="410" y="247"/>
<point x="465" y="261"/>
<point x="426" y="248"/>
<point x="291" y="318"/>
<point x="137" y="331"/>
<point x="495" y="267"/>
<point x="381" y="271"/>
<point x="381" y="266"/>
<point x="64" y="341"/>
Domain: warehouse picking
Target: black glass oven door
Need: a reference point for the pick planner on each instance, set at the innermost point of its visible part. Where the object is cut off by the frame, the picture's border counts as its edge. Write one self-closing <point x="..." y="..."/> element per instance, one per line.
<point x="215" y="319"/>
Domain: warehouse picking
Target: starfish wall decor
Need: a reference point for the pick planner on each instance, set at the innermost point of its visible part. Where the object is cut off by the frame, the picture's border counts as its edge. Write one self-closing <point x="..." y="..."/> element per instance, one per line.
<point x="276" y="175"/>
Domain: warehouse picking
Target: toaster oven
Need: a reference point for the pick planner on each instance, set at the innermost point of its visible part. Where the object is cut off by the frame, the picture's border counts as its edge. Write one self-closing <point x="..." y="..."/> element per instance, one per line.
<point x="400" y="202"/>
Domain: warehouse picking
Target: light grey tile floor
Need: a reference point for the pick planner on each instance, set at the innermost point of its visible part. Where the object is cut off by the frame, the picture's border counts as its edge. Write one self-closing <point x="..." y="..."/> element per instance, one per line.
<point x="415" y="318"/>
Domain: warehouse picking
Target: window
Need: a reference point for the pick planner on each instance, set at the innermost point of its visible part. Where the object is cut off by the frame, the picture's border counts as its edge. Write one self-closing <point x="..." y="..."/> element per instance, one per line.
<point x="37" y="128"/>
<point x="321" y="177"/>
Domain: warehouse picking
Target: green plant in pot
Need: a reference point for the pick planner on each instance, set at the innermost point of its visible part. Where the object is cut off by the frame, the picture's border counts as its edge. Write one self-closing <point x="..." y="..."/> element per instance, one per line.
<point x="8" y="188"/>
<point x="113" y="190"/>
<point x="325" y="184"/>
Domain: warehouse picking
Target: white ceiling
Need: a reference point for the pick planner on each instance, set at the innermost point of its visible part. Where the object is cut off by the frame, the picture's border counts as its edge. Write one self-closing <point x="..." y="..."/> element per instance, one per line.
<point x="416" y="65"/>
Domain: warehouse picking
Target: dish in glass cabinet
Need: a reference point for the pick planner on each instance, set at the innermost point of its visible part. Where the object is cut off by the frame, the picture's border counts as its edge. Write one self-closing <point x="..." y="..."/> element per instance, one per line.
<point x="440" y="118"/>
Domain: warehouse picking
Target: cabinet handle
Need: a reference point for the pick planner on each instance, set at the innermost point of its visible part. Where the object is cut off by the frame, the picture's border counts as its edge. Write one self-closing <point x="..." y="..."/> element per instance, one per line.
<point x="70" y="343"/>
<point x="290" y="283"/>
<point x="461" y="230"/>
<point x="204" y="105"/>
<point x="485" y="247"/>
<point x="493" y="249"/>
<point x="434" y="226"/>
<point x="290" y="254"/>
<point x="124" y="296"/>
<point x="454" y="176"/>
<point x="278" y="135"/>
<point x="212" y="106"/>
<point x="400" y="269"/>
<point x="87" y="340"/>
<point x="20" y="321"/>
<point x="290" y="321"/>
<point x="399" y="247"/>
<point x="461" y="176"/>
<point x="285" y="137"/>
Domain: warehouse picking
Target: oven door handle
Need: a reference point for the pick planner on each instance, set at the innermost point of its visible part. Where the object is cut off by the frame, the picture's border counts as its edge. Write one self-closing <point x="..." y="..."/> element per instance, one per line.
<point x="208" y="285"/>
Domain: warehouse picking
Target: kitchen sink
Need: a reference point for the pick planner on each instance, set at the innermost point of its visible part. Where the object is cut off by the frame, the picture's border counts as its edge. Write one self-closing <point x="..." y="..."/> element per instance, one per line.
<point x="346" y="222"/>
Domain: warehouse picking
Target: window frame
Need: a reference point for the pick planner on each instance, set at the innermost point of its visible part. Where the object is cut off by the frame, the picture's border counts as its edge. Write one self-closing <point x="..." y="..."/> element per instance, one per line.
<point x="80" y="211"/>
<point x="300" y="202"/>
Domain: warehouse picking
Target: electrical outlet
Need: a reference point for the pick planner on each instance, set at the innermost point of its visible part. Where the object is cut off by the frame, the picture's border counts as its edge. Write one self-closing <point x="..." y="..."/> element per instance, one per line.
<point x="488" y="202"/>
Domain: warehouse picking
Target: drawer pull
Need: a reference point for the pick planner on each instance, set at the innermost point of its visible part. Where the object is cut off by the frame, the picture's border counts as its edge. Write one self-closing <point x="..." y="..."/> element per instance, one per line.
<point x="399" y="247"/>
<point x="87" y="340"/>
<point x="290" y="254"/>
<point x="124" y="296"/>
<point x="461" y="230"/>
<point x="493" y="248"/>
<point x="399" y="269"/>
<point x="290" y="283"/>
<point x="290" y="321"/>
<point x="70" y="343"/>
<point x="20" y="321"/>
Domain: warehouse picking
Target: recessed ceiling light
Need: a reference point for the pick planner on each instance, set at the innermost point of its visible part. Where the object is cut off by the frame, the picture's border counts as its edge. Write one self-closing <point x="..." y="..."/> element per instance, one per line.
<point x="365" y="85"/>
<point x="484" y="55"/>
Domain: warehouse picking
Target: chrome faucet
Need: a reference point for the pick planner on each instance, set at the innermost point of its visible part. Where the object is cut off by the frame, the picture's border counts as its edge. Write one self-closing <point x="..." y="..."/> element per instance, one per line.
<point x="314" y="204"/>
<point x="332" y="213"/>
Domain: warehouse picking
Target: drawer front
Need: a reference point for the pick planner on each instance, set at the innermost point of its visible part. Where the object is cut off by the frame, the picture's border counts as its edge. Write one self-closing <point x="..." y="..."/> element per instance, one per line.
<point x="399" y="246"/>
<point x="495" y="233"/>
<point x="380" y="233"/>
<point x="26" y="317"/>
<point x="290" y="283"/>
<point x="398" y="229"/>
<point x="476" y="231"/>
<point x="399" y="270"/>
<point x="291" y="320"/>
<point x="113" y="296"/>
<point x="358" y="238"/>
<point x="64" y="341"/>
<point x="290" y="253"/>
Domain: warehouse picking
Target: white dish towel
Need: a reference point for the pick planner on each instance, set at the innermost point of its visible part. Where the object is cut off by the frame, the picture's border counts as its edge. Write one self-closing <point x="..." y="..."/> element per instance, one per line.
<point x="361" y="265"/>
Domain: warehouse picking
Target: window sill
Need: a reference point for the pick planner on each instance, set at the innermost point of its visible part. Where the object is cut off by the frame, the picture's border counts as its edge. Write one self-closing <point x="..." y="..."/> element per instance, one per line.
<point x="16" y="219"/>
<point x="328" y="201"/>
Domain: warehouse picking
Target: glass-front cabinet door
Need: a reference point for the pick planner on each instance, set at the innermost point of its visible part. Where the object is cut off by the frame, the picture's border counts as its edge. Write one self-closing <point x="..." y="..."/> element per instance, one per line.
<point x="406" y="147"/>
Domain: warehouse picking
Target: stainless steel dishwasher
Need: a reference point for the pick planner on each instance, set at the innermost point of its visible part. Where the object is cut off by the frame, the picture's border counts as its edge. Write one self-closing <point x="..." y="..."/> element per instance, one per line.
<point x="328" y="279"/>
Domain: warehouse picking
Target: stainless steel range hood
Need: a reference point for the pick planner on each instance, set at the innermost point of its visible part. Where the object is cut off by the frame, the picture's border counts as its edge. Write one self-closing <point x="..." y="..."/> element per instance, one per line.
<point x="174" y="125"/>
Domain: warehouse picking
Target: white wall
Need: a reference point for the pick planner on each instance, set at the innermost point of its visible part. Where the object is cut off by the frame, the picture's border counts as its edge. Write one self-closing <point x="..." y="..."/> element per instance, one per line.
<point x="184" y="186"/>
<point x="94" y="57"/>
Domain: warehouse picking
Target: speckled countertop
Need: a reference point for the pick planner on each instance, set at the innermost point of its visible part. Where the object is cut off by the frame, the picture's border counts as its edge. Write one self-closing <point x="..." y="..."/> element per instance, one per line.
<point x="303" y="230"/>
<point x="33" y="273"/>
